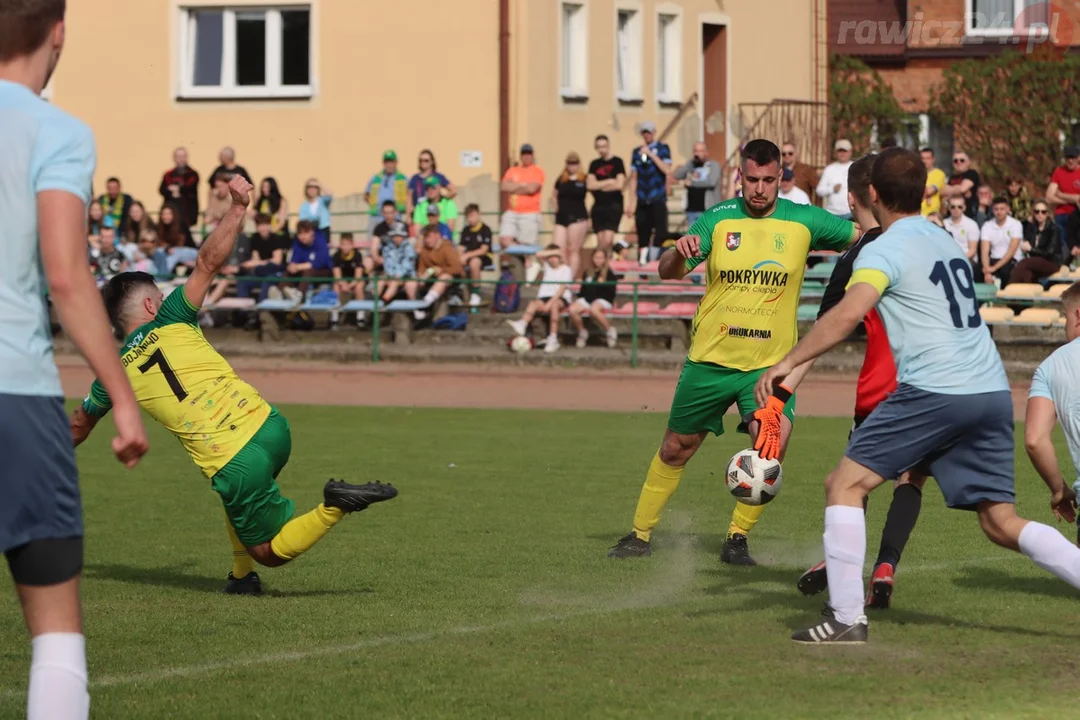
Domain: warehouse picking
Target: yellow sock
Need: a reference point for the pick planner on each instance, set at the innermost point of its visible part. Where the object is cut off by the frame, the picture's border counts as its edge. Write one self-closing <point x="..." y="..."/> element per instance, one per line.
<point x="744" y="518"/>
<point x="242" y="563"/>
<point x="660" y="484"/>
<point x="299" y="534"/>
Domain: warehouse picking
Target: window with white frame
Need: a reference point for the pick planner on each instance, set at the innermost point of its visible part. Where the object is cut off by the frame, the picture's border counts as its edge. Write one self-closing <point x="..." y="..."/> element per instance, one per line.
<point x="668" y="58"/>
<point x="628" y="55"/>
<point x="1006" y="17"/>
<point x="575" y="53"/>
<point x="245" y="52"/>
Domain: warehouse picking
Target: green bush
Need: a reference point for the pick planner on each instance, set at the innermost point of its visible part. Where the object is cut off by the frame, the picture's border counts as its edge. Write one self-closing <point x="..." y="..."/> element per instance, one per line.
<point x="858" y="98"/>
<point x="1008" y="111"/>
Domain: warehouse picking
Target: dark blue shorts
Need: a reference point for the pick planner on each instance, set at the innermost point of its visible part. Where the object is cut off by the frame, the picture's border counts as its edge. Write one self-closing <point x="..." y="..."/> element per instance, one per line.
<point x="964" y="441"/>
<point x="39" y="483"/>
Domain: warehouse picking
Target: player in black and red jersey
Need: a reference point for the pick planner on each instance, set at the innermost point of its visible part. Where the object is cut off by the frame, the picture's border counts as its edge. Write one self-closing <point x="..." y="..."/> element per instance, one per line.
<point x="876" y="380"/>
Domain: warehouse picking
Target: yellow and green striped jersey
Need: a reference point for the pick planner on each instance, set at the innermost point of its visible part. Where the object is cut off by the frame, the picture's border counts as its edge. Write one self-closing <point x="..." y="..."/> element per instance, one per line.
<point x="187" y="386"/>
<point x="748" y="317"/>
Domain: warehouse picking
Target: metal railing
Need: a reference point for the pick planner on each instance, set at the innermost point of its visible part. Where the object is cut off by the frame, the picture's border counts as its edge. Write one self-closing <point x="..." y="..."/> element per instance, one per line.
<point x="379" y="310"/>
<point x="804" y="122"/>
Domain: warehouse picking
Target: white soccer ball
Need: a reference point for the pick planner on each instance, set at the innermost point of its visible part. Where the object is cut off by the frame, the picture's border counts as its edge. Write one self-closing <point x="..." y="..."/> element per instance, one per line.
<point x="752" y="480"/>
<point x="520" y="345"/>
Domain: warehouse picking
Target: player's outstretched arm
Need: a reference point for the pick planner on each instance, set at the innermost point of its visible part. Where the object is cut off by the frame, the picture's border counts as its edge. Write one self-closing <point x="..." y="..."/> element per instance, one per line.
<point x="677" y="262"/>
<point x="82" y="424"/>
<point x="1039" y="420"/>
<point x="827" y="333"/>
<point x="62" y="237"/>
<point x="763" y="390"/>
<point x="217" y="248"/>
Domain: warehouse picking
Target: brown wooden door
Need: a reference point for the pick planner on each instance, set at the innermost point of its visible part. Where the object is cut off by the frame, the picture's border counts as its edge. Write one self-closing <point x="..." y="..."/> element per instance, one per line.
<point x="714" y="84"/>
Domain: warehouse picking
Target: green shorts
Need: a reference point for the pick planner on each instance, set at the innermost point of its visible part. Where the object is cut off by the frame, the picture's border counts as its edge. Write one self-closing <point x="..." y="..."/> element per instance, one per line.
<point x="706" y="391"/>
<point x="248" y="483"/>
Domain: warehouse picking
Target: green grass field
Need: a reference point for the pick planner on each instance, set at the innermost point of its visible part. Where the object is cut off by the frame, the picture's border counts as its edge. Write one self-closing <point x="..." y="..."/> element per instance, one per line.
<point x="484" y="590"/>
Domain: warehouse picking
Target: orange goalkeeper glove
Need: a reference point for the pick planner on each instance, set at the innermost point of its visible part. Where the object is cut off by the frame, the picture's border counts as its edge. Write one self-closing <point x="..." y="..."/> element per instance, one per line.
<point x="768" y="417"/>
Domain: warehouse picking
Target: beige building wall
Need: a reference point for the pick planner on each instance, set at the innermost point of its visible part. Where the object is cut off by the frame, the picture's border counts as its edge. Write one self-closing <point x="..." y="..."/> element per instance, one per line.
<point x="407" y="75"/>
<point x="388" y="75"/>
<point x="770" y="55"/>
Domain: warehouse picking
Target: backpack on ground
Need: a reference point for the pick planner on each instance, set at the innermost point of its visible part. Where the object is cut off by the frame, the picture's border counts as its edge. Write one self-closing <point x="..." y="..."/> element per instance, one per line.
<point x="507" y="294"/>
<point x="300" y="320"/>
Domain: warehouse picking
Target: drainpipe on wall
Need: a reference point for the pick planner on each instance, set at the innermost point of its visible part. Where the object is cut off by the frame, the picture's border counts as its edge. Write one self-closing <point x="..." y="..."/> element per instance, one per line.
<point x="504" y="97"/>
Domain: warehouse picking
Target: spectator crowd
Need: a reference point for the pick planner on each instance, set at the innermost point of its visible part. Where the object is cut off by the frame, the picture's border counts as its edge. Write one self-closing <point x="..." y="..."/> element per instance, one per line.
<point x="419" y="246"/>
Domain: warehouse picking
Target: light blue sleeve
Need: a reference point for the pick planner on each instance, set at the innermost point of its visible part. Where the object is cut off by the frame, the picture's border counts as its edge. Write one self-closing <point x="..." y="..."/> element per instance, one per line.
<point x="1040" y="384"/>
<point x="876" y="256"/>
<point x="64" y="158"/>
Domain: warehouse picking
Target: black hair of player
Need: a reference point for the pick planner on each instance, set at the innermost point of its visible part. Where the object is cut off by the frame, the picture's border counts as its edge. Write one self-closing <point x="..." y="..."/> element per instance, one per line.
<point x="927" y="149"/>
<point x="858" y="179"/>
<point x="899" y="178"/>
<point x="472" y="207"/>
<point x="761" y="151"/>
<point x="118" y="290"/>
<point x="1000" y="200"/>
<point x="391" y="203"/>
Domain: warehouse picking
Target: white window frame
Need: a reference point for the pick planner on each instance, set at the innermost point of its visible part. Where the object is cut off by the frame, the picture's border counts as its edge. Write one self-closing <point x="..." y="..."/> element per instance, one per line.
<point x="228" y="89"/>
<point x="1001" y="32"/>
<point x="634" y="93"/>
<point x="575" y="42"/>
<point x="669" y="56"/>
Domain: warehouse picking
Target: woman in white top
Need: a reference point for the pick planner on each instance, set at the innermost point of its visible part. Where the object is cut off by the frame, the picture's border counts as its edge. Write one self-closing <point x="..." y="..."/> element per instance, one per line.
<point x="999" y="249"/>
<point x="963" y="229"/>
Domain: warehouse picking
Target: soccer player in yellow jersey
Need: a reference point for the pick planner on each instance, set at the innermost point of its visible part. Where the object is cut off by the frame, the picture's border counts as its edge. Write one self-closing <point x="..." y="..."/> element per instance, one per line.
<point x="755" y="249"/>
<point x="238" y="440"/>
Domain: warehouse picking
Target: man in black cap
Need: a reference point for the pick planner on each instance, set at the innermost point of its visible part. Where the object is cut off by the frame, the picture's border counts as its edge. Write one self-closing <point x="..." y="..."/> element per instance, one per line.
<point x="789" y="190"/>
<point x="1064" y="191"/>
<point x="647" y="195"/>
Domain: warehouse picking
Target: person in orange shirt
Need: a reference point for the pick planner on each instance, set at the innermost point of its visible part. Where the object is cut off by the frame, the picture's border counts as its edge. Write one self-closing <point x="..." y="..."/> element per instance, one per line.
<point x="521" y="222"/>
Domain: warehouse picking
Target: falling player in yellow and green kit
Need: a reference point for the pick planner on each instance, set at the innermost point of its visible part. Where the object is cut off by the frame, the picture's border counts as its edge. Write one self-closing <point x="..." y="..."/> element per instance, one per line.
<point x="755" y="249"/>
<point x="237" y="439"/>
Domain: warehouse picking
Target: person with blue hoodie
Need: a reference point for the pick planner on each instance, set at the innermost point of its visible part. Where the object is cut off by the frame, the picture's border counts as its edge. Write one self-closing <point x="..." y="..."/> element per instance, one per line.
<point x="308" y="258"/>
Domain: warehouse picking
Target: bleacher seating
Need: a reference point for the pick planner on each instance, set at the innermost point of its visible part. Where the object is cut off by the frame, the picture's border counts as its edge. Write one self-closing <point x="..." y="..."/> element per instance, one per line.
<point x="1042" y="317"/>
<point x="996" y="315"/>
<point x="1056" y="290"/>
<point x="1020" y="291"/>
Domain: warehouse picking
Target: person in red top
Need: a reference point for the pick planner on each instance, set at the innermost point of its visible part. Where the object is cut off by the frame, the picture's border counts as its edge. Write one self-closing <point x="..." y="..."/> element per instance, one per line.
<point x="180" y="186"/>
<point x="877" y="380"/>
<point x="1064" y="190"/>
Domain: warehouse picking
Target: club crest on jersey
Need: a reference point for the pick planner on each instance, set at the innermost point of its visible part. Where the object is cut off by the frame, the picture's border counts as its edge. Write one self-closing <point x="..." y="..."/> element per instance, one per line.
<point x="734" y="240"/>
<point x="778" y="242"/>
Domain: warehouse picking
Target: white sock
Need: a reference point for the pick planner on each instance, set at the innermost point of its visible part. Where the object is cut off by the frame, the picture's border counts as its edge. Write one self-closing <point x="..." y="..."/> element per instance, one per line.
<point x="431" y="297"/>
<point x="58" y="678"/>
<point x="1051" y="551"/>
<point x="845" y="551"/>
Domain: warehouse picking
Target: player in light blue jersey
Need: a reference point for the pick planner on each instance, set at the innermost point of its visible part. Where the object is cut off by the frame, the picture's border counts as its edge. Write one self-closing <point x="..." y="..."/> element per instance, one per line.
<point x="46" y="167"/>
<point x="951" y="415"/>
<point x="1055" y="396"/>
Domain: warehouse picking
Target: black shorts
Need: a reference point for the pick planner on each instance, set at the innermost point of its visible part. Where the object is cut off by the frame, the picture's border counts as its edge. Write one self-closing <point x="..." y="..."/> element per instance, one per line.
<point x="486" y="263"/>
<point x="568" y="218"/>
<point x="39" y="486"/>
<point x="606" y="217"/>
